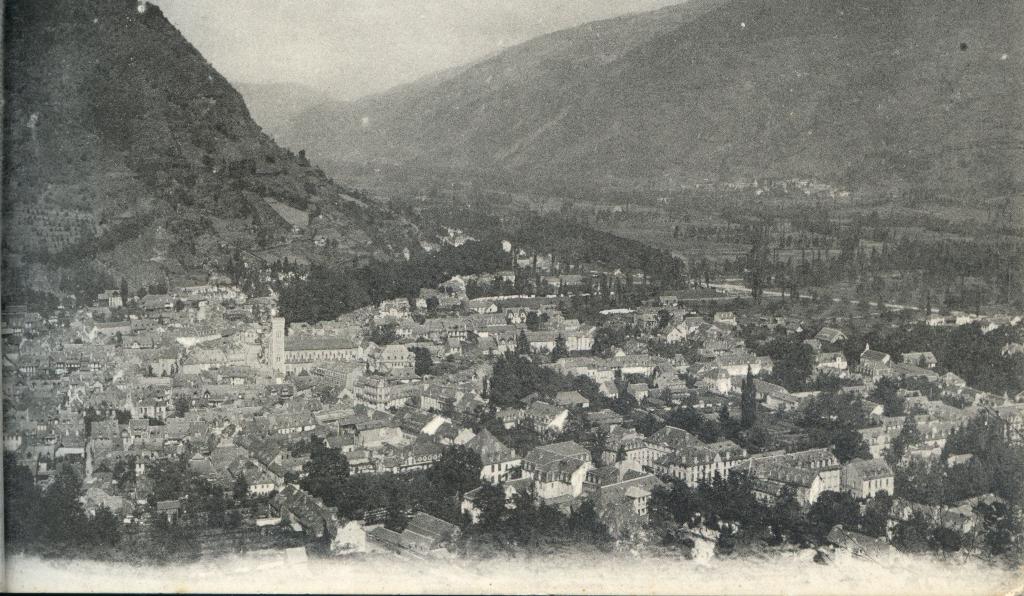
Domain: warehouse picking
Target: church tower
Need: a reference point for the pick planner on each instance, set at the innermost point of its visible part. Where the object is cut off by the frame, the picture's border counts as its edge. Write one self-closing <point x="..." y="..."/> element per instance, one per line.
<point x="277" y="347"/>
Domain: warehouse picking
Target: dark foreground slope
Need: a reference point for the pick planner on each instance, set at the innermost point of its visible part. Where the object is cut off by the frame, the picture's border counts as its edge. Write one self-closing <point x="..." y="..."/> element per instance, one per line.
<point x="916" y="94"/>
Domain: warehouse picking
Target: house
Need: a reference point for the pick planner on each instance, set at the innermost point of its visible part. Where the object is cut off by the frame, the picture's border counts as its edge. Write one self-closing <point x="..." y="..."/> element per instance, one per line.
<point x="866" y="478"/>
<point x="437" y="531"/>
<point x="716" y="380"/>
<point x="512" y="488"/>
<point x="571" y="399"/>
<point x="558" y="470"/>
<point x="774" y="397"/>
<point x="667" y="439"/>
<point x="727" y="318"/>
<point x="499" y="462"/>
<point x="621" y="495"/>
<point x="638" y="391"/>
<point x="808" y="473"/>
<point x="394" y="356"/>
<point x="921" y="359"/>
<point x="510" y="417"/>
<point x="874" y="364"/>
<point x="701" y="462"/>
<point x="423" y="534"/>
<point x="828" y="335"/>
<point x="677" y="333"/>
<point x="547" y="417"/>
<point x="305" y="512"/>
<point x="169" y="509"/>
<point x="830" y="363"/>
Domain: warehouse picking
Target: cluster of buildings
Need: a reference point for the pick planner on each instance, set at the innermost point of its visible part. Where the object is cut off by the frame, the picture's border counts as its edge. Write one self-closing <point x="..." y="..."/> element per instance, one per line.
<point x="208" y="375"/>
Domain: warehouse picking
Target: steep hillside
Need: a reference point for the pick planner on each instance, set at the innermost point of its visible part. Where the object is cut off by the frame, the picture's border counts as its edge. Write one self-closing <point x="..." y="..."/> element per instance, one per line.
<point x="917" y="94"/>
<point x="128" y="152"/>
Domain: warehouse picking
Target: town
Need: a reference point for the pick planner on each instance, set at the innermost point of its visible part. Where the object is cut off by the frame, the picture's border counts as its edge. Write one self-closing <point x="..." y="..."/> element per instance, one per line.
<point x="490" y="413"/>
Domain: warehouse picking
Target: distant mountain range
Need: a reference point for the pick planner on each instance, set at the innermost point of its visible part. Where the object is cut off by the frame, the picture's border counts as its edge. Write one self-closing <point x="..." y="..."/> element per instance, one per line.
<point x="867" y="94"/>
<point x="274" y="105"/>
<point x="115" y="123"/>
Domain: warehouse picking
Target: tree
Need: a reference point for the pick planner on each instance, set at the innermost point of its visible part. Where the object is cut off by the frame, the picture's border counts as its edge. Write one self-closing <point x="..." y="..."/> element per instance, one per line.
<point x="104" y="528"/>
<point x="876" y="515"/>
<point x="886" y="392"/>
<point x="325" y="472"/>
<point x="240" y="489"/>
<point x="182" y="405"/>
<point x="424" y="361"/>
<point x="748" y="401"/>
<point x="912" y="535"/>
<point x="848" y="444"/>
<point x="522" y="343"/>
<point x="384" y="334"/>
<point x="124" y="290"/>
<point x="833" y="508"/>
<point x="458" y="470"/>
<point x="561" y="348"/>
<point x="907" y="437"/>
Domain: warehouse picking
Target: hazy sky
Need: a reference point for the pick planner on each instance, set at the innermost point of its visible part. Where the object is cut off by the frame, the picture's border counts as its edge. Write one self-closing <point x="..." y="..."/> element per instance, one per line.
<point x="349" y="48"/>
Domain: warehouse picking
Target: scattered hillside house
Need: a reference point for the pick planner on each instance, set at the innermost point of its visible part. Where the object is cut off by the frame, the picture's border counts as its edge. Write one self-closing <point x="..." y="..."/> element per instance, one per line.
<point x="701" y="462"/>
<point x="921" y="359"/>
<point x="866" y="478"/>
<point x="558" y="471"/>
<point x="828" y="335"/>
<point x="499" y="462"/>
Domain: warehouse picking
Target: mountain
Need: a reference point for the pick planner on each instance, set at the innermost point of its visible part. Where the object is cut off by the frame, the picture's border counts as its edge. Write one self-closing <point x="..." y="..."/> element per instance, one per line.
<point x="274" y="105"/>
<point x="127" y="154"/>
<point x="922" y="95"/>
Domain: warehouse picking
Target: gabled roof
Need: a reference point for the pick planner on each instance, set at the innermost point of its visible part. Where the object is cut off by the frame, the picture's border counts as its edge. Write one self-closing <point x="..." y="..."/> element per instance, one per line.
<point x="490" y="449"/>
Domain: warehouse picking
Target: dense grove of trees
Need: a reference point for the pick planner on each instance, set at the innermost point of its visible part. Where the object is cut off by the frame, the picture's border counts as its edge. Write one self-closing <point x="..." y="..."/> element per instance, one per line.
<point x="52" y="522"/>
<point x="729" y="506"/>
<point x="530" y="528"/>
<point x="832" y="420"/>
<point x="436" y="491"/>
<point x="996" y="466"/>
<point x="965" y="350"/>
<point x="327" y="292"/>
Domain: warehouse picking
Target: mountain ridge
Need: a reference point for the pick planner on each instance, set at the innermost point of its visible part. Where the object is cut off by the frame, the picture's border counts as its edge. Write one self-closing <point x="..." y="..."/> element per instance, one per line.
<point x="116" y="123"/>
<point x="914" y="95"/>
